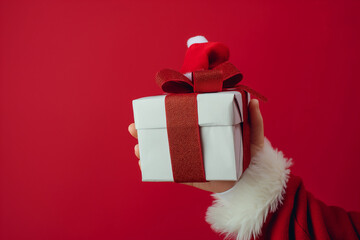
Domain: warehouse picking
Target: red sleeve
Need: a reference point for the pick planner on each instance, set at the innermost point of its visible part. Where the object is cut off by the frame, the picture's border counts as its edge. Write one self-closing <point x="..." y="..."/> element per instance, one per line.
<point x="302" y="216"/>
<point x="268" y="202"/>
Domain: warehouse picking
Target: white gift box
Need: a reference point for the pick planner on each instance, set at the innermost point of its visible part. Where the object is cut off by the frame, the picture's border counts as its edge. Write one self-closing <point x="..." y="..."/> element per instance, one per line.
<point x="219" y="118"/>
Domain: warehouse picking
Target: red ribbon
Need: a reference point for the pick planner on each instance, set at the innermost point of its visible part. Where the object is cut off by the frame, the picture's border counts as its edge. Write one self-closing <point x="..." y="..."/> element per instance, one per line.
<point x="182" y="120"/>
<point x="184" y="138"/>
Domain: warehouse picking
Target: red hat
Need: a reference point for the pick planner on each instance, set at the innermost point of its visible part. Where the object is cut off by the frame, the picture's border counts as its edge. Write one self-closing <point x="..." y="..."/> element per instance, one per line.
<point x="202" y="55"/>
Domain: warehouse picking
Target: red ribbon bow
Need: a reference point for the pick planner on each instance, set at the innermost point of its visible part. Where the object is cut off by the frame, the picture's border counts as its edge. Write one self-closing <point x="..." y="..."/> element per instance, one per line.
<point x="224" y="77"/>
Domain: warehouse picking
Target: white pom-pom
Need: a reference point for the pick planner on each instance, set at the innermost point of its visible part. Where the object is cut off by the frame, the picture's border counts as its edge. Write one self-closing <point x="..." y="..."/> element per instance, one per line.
<point x="196" y="39"/>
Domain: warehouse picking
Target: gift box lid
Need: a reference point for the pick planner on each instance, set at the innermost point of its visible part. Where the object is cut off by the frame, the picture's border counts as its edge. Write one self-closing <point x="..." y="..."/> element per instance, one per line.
<point x="214" y="109"/>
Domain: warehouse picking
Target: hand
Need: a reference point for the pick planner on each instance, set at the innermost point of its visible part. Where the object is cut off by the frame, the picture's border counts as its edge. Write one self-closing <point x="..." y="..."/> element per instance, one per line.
<point x="256" y="143"/>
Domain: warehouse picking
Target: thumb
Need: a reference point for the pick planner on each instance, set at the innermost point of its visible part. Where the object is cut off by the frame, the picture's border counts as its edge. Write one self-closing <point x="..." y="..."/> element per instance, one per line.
<point x="256" y="124"/>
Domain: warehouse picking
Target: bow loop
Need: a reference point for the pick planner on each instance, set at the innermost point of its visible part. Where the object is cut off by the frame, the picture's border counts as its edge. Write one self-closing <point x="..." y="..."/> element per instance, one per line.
<point x="231" y="74"/>
<point x="224" y="77"/>
<point x="171" y="81"/>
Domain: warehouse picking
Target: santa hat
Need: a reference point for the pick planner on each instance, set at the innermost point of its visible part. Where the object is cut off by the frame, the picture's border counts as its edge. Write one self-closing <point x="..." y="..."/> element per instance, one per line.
<point x="202" y="55"/>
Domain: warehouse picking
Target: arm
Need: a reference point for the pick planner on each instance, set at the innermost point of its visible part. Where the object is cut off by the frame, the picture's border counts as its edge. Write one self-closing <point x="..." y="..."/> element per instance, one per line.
<point x="268" y="202"/>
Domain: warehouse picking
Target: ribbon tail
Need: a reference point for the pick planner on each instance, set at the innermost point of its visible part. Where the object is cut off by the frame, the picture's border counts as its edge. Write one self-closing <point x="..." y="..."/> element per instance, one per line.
<point x="251" y="91"/>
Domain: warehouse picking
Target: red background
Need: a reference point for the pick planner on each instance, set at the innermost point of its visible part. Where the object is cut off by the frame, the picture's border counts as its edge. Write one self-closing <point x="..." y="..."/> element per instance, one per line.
<point x="69" y="70"/>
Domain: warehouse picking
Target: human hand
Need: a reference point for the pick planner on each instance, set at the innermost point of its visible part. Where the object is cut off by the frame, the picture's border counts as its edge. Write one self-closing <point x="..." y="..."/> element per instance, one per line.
<point x="256" y="144"/>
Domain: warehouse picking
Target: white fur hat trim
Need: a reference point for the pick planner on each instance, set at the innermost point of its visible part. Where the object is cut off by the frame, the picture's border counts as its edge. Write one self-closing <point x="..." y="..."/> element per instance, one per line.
<point x="196" y="39"/>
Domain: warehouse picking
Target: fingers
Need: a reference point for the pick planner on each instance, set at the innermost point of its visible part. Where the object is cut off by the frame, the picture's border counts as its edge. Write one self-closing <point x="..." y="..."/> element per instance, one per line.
<point x="256" y="124"/>
<point x="133" y="133"/>
<point x="132" y="130"/>
<point x="136" y="149"/>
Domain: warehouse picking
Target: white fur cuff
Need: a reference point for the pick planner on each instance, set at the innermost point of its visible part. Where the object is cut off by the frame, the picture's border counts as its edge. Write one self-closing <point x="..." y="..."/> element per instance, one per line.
<point x="242" y="210"/>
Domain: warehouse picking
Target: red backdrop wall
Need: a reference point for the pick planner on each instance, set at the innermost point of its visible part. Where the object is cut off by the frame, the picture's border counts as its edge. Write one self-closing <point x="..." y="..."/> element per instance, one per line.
<point x="69" y="70"/>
